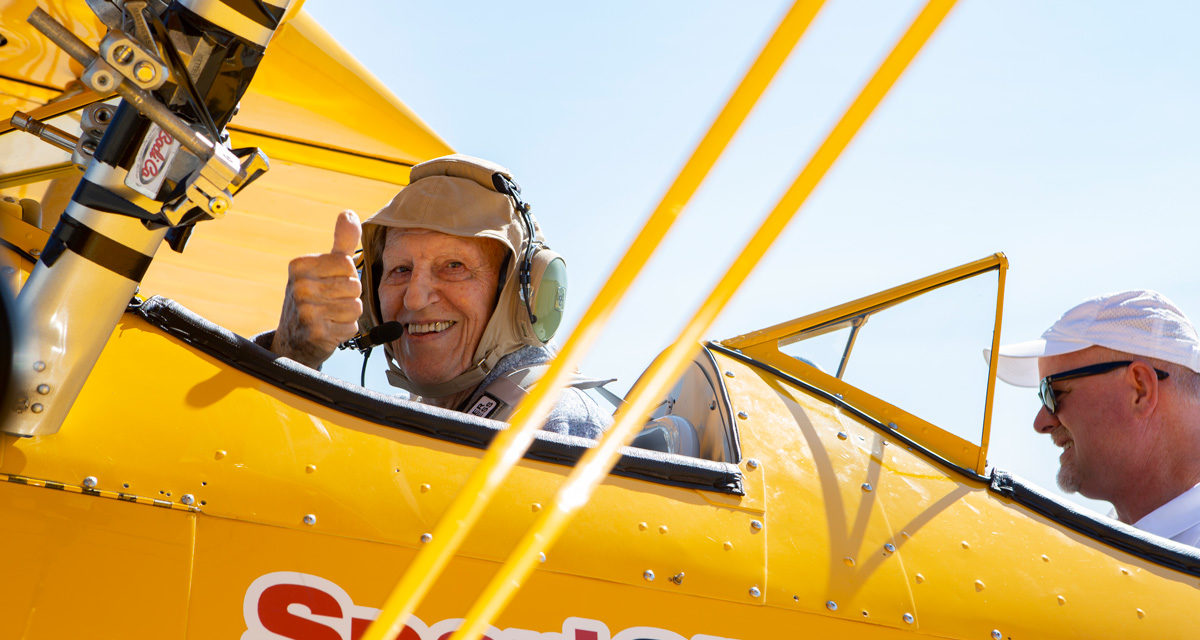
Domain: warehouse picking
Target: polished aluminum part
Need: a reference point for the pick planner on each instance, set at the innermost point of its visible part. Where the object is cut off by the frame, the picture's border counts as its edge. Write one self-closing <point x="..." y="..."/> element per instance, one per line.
<point x="48" y="133"/>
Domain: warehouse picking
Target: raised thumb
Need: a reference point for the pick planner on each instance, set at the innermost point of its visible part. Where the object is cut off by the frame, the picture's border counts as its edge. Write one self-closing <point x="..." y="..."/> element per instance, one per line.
<point x="346" y="233"/>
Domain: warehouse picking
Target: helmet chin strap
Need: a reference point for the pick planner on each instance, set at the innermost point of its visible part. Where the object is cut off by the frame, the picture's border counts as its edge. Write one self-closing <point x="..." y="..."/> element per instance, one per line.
<point x="468" y="379"/>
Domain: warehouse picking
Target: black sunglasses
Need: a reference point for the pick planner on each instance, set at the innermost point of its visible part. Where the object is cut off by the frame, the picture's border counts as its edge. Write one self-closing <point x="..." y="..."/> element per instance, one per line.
<point x="1046" y="391"/>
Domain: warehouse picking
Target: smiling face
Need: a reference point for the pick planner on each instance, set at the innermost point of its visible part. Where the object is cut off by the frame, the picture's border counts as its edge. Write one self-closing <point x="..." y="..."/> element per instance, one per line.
<point x="1091" y="424"/>
<point x="443" y="289"/>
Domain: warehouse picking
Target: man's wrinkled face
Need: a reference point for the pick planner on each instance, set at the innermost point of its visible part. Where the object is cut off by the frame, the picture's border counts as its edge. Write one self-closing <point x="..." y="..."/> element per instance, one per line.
<point x="1088" y="424"/>
<point x="443" y="289"/>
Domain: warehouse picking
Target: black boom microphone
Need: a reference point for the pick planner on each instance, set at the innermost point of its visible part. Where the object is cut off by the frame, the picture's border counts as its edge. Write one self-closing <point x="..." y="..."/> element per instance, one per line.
<point x="382" y="334"/>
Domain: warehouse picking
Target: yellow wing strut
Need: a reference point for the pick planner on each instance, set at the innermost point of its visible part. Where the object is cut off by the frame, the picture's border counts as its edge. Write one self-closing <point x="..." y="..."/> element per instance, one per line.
<point x="598" y="461"/>
<point x="510" y="445"/>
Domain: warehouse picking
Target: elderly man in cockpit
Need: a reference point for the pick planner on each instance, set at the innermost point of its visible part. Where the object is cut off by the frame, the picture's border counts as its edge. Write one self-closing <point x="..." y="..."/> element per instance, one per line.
<point x="457" y="259"/>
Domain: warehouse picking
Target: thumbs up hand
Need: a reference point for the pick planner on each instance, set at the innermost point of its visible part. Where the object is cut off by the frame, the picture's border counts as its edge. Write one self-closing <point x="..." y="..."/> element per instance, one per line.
<point x="321" y="305"/>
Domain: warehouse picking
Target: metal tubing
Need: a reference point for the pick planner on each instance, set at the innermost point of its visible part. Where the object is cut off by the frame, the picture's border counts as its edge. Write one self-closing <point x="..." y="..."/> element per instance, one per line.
<point x="598" y="461"/>
<point x="71" y="308"/>
<point x="48" y="133"/>
<point x="508" y="447"/>
<point x="986" y="437"/>
<point x="62" y="37"/>
<point x="145" y="103"/>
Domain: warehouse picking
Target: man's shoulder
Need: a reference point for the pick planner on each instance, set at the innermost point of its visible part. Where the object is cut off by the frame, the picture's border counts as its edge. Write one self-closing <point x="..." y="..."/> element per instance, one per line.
<point x="1178" y="519"/>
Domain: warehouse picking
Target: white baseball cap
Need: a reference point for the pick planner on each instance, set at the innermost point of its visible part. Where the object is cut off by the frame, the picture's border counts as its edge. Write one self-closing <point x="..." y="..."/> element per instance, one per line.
<point x="1143" y="323"/>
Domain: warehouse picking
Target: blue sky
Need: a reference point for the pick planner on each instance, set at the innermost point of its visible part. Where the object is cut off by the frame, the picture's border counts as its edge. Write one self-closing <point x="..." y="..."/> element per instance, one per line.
<point x="1063" y="134"/>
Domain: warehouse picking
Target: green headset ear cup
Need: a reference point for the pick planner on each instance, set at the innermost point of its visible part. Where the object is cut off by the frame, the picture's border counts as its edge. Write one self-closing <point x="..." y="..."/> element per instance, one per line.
<point x="548" y="277"/>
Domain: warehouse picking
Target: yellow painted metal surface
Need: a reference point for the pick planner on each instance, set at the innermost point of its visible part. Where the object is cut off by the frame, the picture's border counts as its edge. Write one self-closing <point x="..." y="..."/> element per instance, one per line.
<point x="966" y="561"/>
<point x="82" y="566"/>
<point x="254" y="460"/>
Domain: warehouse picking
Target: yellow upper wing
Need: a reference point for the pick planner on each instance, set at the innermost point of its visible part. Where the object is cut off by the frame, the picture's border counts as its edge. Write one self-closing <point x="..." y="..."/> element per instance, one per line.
<point x="336" y="137"/>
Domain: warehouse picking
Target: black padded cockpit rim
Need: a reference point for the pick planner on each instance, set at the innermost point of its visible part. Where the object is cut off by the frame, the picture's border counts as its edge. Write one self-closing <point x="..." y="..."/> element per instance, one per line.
<point x="246" y="356"/>
<point x="1111" y="532"/>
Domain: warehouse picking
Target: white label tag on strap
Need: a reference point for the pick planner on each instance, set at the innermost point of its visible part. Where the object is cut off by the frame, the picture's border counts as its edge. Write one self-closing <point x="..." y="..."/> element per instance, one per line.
<point x="155" y="155"/>
<point x="484" y="407"/>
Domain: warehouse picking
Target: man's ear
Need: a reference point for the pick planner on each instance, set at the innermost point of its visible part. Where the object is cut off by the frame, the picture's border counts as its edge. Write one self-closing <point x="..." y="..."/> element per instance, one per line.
<point x="1143" y="382"/>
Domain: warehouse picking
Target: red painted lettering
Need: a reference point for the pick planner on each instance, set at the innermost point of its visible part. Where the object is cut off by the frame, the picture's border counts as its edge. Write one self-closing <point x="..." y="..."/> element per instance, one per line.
<point x="275" y="617"/>
<point x="155" y="158"/>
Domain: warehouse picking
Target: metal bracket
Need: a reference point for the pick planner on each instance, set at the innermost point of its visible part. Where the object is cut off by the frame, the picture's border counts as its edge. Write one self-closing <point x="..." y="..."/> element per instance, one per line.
<point x="136" y="63"/>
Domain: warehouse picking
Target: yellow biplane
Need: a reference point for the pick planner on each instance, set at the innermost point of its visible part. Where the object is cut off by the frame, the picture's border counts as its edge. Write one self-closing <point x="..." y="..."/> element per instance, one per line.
<point x="240" y="495"/>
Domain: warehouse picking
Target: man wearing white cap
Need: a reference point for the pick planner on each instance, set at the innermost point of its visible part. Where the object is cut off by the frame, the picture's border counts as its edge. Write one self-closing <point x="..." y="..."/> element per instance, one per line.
<point x="1117" y="376"/>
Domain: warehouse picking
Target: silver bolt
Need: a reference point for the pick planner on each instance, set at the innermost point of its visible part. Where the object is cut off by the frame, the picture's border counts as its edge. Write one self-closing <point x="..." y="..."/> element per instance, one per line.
<point x="188" y="498"/>
<point x="90" y="482"/>
<point x="742" y="415"/>
<point x="37" y="407"/>
<point x="35" y="252"/>
<point x="542" y="557"/>
<point x="728" y="374"/>
<point x="122" y="54"/>
<point x="866" y="487"/>
<point x="756" y="525"/>
<point x="754" y="592"/>
<point x="996" y="635"/>
<point x="842" y="435"/>
<point x="426" y="538"/>
<point x="677" y="578"/>
<point x="310" y="519"/>
<point x="752" y="463"/>
<point x="831" y="605"/>
<point x="908" y="617"/>
<point x="219" y="205"/>
<point x="648" y="575"/>
<point x="39" y="366"/>
<point x="43" y="389"/>
<point x="889" y="548"/>
<point x="892" y="426"/>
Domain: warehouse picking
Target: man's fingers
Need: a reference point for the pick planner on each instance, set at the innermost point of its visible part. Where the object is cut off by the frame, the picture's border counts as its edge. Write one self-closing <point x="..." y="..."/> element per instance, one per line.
<point x="325" y="265"/>
<point x="325" y="289"/>
<point x="347" y="231"/>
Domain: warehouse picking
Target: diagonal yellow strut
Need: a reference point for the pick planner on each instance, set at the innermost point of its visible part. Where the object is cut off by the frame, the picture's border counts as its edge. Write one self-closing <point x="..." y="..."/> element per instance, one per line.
<point x="598" y="461"/>
<point x="508" y="447"/>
